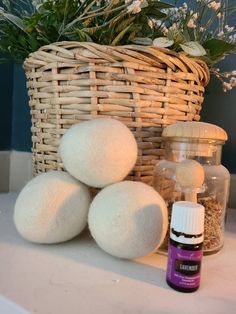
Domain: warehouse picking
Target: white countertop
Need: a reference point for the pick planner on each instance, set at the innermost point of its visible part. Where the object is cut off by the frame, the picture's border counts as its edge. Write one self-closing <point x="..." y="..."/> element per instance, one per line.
<point x="78" y="277"/>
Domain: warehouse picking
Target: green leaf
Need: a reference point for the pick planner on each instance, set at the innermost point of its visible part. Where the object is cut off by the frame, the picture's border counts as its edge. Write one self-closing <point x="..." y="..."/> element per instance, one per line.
<point x="33" y="43"/>
<point x="14" y="20"/>
<point x="218" y="47"/>
<point x="135" y="29"/>
<point x="125" y="23"/>
<point x="193" y="48"/>
<point x="119" y="37"/>
<point x="160" y="5"/>
<point x="162" y="42"/>
<point x="153" y="12"/>
<point x="144" y="41"/>
<point x="79" y="35"/>
<point x="177" y="36"/>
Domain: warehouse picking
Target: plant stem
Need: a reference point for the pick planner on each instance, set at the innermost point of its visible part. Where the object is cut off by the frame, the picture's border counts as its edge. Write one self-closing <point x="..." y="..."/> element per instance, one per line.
<point x="80" y="18"/>
<point x="61" y="29"/>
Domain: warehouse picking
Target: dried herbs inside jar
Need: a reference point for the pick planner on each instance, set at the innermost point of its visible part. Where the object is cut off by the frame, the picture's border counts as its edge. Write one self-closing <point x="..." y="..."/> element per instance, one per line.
<point x="213" y="225"/>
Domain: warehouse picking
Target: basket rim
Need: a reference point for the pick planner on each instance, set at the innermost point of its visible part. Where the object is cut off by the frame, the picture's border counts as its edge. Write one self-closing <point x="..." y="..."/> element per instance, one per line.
<point x="143" y="55"/>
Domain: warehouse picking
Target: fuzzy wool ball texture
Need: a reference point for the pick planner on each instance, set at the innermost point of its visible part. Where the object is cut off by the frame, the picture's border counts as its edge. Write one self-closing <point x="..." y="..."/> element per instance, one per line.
<point x="128" y="219"/>
<point x="52" y="208"/>
<point x="99" y="152"/>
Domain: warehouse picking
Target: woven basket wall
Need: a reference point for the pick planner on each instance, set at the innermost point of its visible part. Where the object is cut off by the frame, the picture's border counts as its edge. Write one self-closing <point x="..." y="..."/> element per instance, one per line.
<point x="144" y="87"/>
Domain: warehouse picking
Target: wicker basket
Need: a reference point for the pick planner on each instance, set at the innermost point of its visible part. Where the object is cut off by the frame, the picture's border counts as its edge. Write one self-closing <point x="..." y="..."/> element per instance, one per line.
<point x="144" y="87"/>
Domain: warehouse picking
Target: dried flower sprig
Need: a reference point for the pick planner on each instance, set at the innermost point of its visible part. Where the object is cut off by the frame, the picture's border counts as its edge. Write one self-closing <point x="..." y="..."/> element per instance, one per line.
<point x="228" y="79"/>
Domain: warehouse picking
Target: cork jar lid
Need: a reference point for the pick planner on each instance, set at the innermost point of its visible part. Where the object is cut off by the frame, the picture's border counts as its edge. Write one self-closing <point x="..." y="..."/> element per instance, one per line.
<point x="195" y="130"/>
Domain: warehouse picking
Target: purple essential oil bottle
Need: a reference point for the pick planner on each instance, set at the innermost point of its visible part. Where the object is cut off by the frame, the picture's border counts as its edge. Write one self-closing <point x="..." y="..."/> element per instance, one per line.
<point x="185" y="246"/>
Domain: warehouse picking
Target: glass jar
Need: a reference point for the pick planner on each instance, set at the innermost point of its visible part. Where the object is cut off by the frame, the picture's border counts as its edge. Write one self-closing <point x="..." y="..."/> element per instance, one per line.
<point x="204" y="147"/>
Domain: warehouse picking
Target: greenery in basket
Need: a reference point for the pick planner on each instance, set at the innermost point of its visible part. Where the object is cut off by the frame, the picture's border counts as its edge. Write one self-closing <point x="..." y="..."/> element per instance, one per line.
<point x="199" y="29"/>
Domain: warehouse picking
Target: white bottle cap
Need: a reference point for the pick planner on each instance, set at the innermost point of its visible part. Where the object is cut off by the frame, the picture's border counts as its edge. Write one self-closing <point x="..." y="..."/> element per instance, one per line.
<point x="187" y="222"/>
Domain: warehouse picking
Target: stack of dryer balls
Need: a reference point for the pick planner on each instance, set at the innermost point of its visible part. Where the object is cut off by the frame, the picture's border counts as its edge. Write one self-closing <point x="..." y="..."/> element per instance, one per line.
<point x="127" y="219"/>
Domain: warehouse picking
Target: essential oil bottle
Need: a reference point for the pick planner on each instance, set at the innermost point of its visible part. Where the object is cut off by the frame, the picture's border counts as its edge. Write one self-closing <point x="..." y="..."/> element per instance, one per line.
<point x="185" y="246"/>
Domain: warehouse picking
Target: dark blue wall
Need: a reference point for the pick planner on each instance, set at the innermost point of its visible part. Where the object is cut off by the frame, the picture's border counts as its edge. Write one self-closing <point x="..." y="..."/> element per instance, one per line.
<point x="6" y="87"/>
<point x="14" y="110"/>
<point x="220" y="108"/>
<point x="21" y="123"/>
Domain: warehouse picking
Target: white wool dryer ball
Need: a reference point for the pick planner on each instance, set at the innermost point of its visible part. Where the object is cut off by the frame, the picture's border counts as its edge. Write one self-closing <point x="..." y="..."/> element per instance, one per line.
<point x="52" y="208"/>
<point x="99" y="152"/>
<point x="128" y="219"/>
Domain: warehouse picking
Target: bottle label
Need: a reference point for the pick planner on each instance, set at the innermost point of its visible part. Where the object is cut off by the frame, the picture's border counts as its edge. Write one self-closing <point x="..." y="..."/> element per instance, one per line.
<point x="183" y="268"/>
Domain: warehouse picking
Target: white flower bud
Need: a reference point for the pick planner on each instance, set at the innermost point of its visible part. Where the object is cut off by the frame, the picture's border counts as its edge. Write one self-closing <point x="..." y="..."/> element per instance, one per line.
<point x="214" y="5"/>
